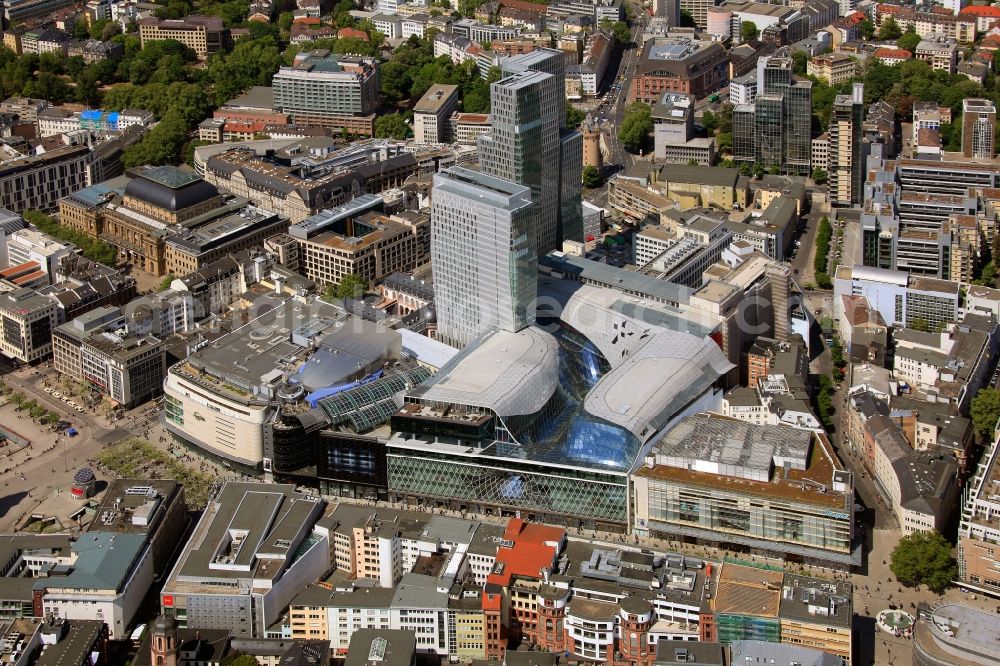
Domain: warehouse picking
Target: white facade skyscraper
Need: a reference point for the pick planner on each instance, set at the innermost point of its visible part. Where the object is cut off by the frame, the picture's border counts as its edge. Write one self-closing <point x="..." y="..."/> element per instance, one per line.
<point x="483" y="253"/>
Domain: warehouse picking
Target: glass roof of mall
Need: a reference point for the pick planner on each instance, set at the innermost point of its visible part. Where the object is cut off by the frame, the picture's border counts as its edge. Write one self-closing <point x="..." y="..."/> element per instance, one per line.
<point x="169" y="176"/>
<point x="563" y="432"/>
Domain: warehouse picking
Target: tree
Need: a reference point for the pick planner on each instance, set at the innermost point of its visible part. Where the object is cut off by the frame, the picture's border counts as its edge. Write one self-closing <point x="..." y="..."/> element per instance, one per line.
<point x="824" y="402"/>
<point x="748" y="31"/>
<point x="710" y="122"/>
<point x="890" y="29"/>
<point x="824" y="234"/>
<point x="909" y="40"/>
<point x="918" y="324"/>
<point x="867" y="29"/>
<point x="252" y="62"/>
<point x="350" y="286"/>
<point x="924" y="557"/>
<point x="239" y="659"/>
<point x="987" y="275"/>
<point x="391" y="126"/>
<point x="165" y="282"/>
<point x="574" y="116"/>
<point x="818" y="175"/>
<point x="636" y="126"/>
<point x="800" y="62"/>
<point x="93" y="249"/>
<point x="687" y="19"/>
<point x="619" y="30"/>
<point x="985" y="411"/>
<point x="591" y="177"/>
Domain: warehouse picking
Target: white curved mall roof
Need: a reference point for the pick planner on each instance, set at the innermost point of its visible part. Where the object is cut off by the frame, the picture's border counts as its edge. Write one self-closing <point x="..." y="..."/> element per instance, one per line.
<point x="655" y="382"/>
<point x="510" y="373"/>
<point x="655" y="371"/>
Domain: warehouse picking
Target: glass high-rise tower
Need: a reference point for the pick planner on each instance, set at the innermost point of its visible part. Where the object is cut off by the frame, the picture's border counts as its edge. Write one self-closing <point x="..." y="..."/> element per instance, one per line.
<point x="483" y="254"/>
<point x="529" y="143"/>
<point x="780" y="133"/>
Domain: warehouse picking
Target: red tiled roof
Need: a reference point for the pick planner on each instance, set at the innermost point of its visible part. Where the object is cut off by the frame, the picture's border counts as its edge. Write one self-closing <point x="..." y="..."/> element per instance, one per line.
<point x="30" y="277"/>
<point x="525" y="5"/>
<point x="352" y="33"/>
<point x="243" y="126"/>
<point x="491" y="601"/>
<point x="981" y="10"/>
<point x="20" y="269"/>
<point x="299" y="30"/>
<point x="530" y="548"/>
<point x="307" y="20"/>
<point x="526" y="560"/>
<point x="534" y="532"/>
<point x="886" y="52"/>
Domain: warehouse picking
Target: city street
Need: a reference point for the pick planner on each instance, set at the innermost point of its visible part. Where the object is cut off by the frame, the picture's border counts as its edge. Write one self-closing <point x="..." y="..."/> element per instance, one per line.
<point x="616" y="96"/>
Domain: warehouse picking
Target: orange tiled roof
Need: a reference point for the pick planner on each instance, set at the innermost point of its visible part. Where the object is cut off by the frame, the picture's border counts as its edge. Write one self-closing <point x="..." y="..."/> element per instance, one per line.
<point x="352" y="33"/>
<point x="20" y="269"/>
<point x="886" y="52"/>
<point x="981" y="10"/>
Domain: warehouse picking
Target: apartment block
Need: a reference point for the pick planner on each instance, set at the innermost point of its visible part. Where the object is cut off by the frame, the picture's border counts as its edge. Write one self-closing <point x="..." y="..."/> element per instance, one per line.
<point x="303" y="177"/>
<point x="960" y="27"/>
<point x="979" y="530"/>
<point x="845" y="168"/>
<point x="834" y="68"/>
<point x="39" y="181"/>
<point x="921" y="487"/>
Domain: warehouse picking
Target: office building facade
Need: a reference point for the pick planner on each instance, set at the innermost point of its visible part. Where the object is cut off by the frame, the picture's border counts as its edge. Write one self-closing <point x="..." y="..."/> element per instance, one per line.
<point x="529" y="144"/>
<point x="322" y="88"/>
<point x="204" y="35"/>
<point x="431" y="115"/>
<point x="979" y="124"/>
<point x="776" y="130"/>
<point x="484" y="253"/>
<point x="768" y="499"/>
<point x="846" y="153"/>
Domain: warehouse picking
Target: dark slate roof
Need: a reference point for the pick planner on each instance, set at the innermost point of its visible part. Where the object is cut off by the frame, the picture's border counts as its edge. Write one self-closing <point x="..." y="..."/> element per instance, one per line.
<point x="170" y="188"/>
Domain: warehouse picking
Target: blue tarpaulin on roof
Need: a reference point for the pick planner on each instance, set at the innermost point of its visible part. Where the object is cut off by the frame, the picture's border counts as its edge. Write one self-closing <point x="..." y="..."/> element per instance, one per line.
<point x="319" y="394"/>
